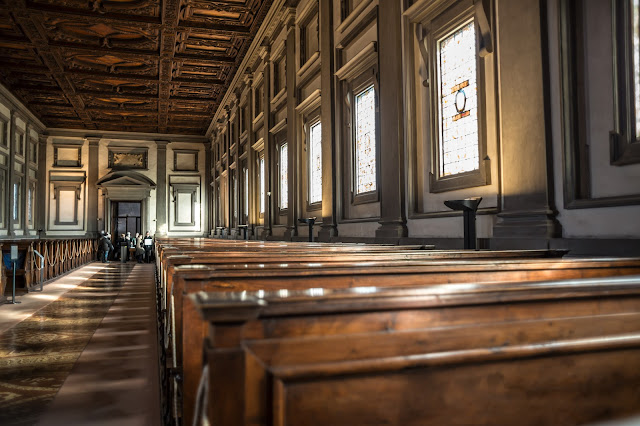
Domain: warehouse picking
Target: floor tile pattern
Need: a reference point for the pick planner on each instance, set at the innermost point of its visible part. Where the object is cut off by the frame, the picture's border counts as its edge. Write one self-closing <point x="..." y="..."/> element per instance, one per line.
<point x="38" y="354"/>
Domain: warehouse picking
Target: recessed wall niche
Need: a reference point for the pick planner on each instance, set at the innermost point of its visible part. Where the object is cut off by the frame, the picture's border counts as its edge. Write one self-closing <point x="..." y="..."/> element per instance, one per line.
<point x="127" y="158"/>
<point x="185" y="160"/>
<point x="67" y="156"/>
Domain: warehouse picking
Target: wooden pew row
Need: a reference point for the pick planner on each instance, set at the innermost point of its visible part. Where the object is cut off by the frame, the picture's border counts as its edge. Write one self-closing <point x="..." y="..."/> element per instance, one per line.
<point x="60" y="256"/>
<point x="245" y="248"/>
<point x="189" y="329"/>
<point x="172" y="258"/>
<point x="202" y="248"/>
<point x="269" y="257"/>
<point x="526" y="353"/>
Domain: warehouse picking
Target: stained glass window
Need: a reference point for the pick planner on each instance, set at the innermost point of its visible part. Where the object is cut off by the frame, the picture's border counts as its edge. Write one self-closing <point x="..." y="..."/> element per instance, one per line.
<point x="16" y="202"/>
<point x="459" y="151"/>
<point x="284" y="178"/>
<point x="315" y="163"/>
<point x="30" y="205"/>
<point x="262" y="191"/>
<point x="636" y="61"/>
<point x="246" y="192"/>
<point x="365" y="122"/>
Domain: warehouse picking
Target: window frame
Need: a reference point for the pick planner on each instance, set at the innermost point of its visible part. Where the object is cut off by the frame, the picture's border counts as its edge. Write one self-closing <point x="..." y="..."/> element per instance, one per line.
<point x="440" y="27"/>
<point x="4" y="183"/>
<point x="279" y="145"/>
<point x="624" y="142"/>
<point x="243" y="202"/>
<point x="262" y="183"/>
<point x="32" y="190"/>
<point x="306" y="17"/>
<point x="353" y="88"/>
<point x="4" y="131"/>
<point x="20" y="142"/>
<point x="314" y="119"/>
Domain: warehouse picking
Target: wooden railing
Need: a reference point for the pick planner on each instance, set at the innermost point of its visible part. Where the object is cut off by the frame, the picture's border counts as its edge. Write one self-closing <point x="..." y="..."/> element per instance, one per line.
<point x="60" y="256"/>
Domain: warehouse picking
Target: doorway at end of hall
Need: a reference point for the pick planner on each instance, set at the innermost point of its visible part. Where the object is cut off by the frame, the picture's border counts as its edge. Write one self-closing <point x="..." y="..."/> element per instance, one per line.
<point x="126" y="217"/>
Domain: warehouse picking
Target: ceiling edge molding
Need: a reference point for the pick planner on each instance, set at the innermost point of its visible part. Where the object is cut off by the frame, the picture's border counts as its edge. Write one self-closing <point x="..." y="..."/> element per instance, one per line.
<point x="249" y="57"/>
<point x="82" y="133"/>
<point x="16" y="103"/>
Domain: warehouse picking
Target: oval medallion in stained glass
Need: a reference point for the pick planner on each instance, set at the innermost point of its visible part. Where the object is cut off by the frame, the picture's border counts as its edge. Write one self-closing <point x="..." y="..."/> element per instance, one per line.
<point x="458" y="109"/>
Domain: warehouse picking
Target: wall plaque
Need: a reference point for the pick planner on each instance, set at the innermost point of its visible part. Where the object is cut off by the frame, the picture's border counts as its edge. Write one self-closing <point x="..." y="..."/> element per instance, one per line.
<point x="127" y="158"/>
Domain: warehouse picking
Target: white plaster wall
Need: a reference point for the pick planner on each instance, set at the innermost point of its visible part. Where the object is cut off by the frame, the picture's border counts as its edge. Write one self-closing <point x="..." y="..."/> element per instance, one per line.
<point x="65" y="230"/>
<point x="603" y="222"/>
<point x="186" y="177"/>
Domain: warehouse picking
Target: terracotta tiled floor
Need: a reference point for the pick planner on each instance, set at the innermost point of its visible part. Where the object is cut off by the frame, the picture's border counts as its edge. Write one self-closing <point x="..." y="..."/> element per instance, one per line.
<point x="88" y="358"/>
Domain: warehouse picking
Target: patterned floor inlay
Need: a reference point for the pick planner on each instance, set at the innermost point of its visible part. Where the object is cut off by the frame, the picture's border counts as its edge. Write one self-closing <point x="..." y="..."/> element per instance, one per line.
<point x="37" y="354"/>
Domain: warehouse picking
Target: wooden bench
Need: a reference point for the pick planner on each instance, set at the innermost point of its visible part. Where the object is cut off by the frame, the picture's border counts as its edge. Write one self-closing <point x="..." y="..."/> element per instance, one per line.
<point x="172" y="259"/>
<point x="189" y="329"/>
<point x="24" y="266"/>
<point x="60" y="256"/>
<point x="526" y="353"/>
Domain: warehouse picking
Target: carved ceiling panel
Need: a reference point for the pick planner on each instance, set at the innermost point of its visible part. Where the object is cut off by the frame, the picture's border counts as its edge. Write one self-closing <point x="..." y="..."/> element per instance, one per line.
<point x="114" y="85"/>
<point x="147" y="8"/>
<point x="189" y="91"/>
<point x="158" y="66"/>
<point x="239" y="13"/>
<point x="100" y="33"/>
<point x="42" y="100"/>
<point x="108" y="102"/>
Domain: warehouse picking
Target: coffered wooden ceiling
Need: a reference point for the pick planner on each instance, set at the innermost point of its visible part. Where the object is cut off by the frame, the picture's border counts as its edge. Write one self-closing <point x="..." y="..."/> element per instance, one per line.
<point x="159" y="66"/>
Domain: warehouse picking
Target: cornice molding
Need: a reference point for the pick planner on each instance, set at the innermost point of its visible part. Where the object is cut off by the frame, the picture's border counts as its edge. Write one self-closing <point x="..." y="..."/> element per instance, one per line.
<point x="15" y="103"/>
<point x="85" y="133"/>
<point x="249" y="58"/>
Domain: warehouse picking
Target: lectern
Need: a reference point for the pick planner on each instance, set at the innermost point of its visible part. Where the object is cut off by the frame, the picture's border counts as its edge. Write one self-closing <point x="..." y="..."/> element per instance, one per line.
<point x="310" y="221"/>
<point x="468" y="206"/>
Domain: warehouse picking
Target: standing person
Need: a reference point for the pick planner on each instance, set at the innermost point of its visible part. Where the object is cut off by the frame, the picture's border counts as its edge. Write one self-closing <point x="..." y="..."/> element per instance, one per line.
<point x="128" y="238"/>
<point x="124" y="247"/>
<point x="139" y="248"/>
<point x="100" y="238"/>
<point x="148" y="246"/>
<point x="106" y="247"/>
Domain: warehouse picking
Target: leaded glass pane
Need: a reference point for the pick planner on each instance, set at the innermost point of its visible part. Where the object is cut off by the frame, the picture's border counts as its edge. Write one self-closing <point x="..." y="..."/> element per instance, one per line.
<point x="636" y="61"/>
<point x="365" y="141"/>
<point x="246" y="192"/>
<point x="30" y="205"/>
<point x="262" y="191"/>
<point x="315" y="163"/>
<point x="284" y="178"/>
<point x="458" y="101"/>
<point x="16" y="202"/>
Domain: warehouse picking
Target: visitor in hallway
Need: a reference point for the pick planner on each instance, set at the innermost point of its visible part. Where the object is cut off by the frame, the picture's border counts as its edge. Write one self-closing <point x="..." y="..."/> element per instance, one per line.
<point x="124" y="247"/>
<point x="148" y="246"/>
<point x="139" y="248"/>
<point x="100" y="251"/>
<point x="107" y="246"/>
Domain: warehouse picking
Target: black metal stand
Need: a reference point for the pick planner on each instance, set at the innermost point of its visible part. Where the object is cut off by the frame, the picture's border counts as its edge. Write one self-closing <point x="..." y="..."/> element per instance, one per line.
<point x="469" y="206"/>
<point x="13" y="290"/>
<point x="310" y="221"/>
<point x="245" y="230"/>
